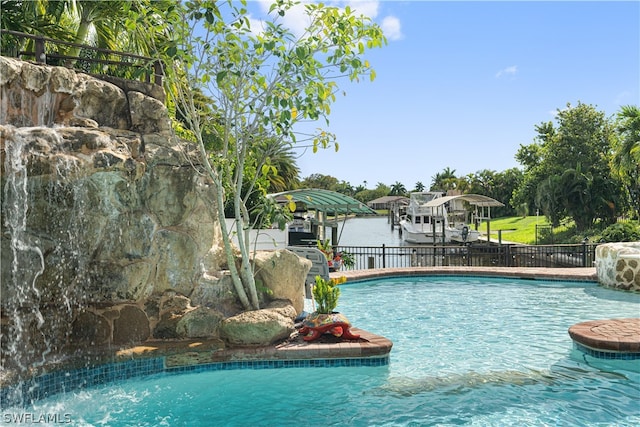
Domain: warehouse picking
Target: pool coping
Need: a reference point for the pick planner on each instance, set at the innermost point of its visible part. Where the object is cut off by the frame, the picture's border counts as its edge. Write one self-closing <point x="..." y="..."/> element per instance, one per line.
<point x="609" y="335"/>
<point x="581" y="274"/>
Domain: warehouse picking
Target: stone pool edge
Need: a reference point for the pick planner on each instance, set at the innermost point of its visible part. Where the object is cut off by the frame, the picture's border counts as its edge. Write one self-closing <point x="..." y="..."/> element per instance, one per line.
<point x="580" y="274"/>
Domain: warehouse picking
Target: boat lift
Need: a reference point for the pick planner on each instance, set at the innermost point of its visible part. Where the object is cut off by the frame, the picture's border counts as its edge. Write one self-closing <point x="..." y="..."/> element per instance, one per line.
<point x="482" y="207"/>
<point x="327" y="207"/>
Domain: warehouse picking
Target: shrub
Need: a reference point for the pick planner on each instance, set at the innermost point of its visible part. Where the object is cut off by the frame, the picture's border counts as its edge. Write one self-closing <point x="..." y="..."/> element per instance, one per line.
<point x="621" y="232"/>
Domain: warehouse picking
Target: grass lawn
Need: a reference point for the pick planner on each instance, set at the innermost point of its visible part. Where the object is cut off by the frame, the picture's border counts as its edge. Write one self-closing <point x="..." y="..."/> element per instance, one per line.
<point x="517" y="229"/>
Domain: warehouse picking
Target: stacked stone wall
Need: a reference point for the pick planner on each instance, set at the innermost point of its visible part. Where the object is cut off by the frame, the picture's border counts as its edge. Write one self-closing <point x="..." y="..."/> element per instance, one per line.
<point x="618" y="265"/>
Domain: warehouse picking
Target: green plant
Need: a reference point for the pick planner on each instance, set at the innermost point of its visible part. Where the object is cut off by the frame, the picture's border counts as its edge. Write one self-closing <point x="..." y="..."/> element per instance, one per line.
<point x="621" y="232"/>
<point x="326" y="294"/>
<point x="348" y="260"/>
<point x="325" y="248"/>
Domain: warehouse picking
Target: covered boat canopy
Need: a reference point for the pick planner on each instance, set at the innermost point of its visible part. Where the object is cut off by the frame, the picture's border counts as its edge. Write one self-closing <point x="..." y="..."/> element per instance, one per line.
<point x="473" y="199"/>
<point x="329" y="202"/>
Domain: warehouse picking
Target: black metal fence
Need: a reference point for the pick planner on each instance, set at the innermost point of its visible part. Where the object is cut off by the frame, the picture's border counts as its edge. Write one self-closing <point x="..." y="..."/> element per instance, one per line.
<point x="93" y="60"/>
<point x="366" y="257"/>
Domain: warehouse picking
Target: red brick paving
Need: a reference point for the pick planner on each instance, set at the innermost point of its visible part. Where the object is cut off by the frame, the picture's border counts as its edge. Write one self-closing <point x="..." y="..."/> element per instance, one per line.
<point x="619" y="335"/>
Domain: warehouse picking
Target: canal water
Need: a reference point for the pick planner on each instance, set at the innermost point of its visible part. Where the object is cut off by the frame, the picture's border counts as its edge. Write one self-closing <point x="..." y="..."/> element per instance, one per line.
<point x="357" y="231"/>
<point x="368" y="231"/>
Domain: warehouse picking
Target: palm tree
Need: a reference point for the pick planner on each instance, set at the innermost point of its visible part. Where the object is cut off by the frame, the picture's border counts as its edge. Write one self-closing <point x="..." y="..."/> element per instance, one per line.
<point x="31" y="17"/>
<point x="287" y="173"/>
<point x="549" y="200"/>
<point x="141" y="27"/>
<point x="398" y="189"/>
<point x="575" y="188"/>
<point x="446" y="180"/>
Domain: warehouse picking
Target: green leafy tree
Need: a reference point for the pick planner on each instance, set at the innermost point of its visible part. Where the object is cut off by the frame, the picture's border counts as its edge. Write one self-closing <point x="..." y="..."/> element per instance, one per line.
<point x="499" y="185"/>
<point x="531" y="158"/>
<point x="345" y="187"/>
<point x="263" y="81"/>
<point x="626" y="157"/>
<point x="134" y="26"/>
<point x="567" y="172"/>
<point x="548" y="198"/>
<point x="318" y="180"/>
<point x="419" y="186"/>
<point x="367" y="195"/>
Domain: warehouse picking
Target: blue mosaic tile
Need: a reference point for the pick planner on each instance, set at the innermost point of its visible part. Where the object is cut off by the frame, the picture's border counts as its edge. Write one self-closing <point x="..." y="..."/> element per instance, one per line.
<point x="52" y="383"/>
<point x="606" y="355"/>
<point x="46" y="385"/>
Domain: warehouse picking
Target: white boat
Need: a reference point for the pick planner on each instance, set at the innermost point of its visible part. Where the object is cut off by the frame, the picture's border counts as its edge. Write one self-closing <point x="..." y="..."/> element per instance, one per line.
<point x="435" y="218"/>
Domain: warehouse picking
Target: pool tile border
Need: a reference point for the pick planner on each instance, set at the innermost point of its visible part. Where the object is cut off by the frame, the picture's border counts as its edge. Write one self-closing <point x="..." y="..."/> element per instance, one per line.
<point x="370" y="351"/>
<point x="605" y="355"/>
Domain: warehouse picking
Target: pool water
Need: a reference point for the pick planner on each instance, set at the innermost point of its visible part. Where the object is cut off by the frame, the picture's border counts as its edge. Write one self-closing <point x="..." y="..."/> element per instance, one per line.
<point x="467" y="351"/>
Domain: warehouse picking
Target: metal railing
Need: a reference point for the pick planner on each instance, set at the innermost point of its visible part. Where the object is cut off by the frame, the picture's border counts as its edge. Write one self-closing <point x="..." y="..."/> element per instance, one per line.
<point x="44" y="52"/>
<point x="560" y="256"/>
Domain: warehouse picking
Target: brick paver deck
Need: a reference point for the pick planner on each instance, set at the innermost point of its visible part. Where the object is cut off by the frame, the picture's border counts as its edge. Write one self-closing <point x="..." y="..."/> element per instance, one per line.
<point x="618" y="335"/>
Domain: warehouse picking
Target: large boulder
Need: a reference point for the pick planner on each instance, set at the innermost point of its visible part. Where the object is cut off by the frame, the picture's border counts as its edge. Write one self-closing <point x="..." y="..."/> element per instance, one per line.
<point x="284" y="273"/>
<point x="201" y="322"/>
<point x="257" y="328"/>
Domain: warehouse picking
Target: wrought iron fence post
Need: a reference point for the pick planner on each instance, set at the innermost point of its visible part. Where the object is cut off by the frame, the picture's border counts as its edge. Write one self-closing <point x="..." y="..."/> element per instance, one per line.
<point x="158" y="72"/>
<point x="384" y="260"/>
<point x="584" y="253"/>
<point x="41" y="56"/>
<point x="507" y="256"/>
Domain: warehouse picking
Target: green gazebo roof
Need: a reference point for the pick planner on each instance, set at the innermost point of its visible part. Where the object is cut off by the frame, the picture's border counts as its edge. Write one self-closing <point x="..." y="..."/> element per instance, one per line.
<point x="327" y="201"/>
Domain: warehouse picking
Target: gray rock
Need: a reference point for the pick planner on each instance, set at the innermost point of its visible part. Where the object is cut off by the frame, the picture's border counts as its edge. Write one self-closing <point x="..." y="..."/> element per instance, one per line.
<point x="284" y="273"/>
<point x="256" y="328"/>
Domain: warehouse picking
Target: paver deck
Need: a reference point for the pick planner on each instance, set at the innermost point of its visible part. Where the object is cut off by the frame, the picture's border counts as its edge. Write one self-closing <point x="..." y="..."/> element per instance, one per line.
<point x="618" y="335"/>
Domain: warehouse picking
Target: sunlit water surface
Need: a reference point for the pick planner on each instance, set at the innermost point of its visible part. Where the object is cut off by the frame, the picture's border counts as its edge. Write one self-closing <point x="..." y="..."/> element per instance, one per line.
<point x="467" y="351"/>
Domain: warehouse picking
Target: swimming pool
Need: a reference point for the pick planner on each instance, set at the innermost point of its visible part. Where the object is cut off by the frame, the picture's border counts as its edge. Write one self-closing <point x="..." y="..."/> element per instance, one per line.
<point x="467" y="351"/>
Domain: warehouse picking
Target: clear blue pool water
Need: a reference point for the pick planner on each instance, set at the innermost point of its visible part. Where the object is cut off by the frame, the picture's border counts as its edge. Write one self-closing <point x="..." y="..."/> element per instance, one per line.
<point x="467" y="351"/>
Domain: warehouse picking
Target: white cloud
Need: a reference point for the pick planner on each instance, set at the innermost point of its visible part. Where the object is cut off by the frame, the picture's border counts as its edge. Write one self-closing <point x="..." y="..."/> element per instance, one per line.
<point x="392" y="28"/>
<point x="257" y="25"/>
<point x="365" y="7"/>
<point x="297" y="21"/>
<point x="509" y="71"/>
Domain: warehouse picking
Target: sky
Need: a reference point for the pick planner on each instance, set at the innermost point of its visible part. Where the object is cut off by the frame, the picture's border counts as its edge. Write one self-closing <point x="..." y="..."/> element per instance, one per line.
<point x="462" y="85"/>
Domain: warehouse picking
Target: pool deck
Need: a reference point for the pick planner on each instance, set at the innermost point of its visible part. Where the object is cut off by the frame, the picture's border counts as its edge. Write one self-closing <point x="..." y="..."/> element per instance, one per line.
<point x="572" y="274"/>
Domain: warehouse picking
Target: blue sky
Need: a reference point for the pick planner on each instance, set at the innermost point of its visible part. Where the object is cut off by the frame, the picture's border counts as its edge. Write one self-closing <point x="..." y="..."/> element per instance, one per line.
<point x="463" y="84"/>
